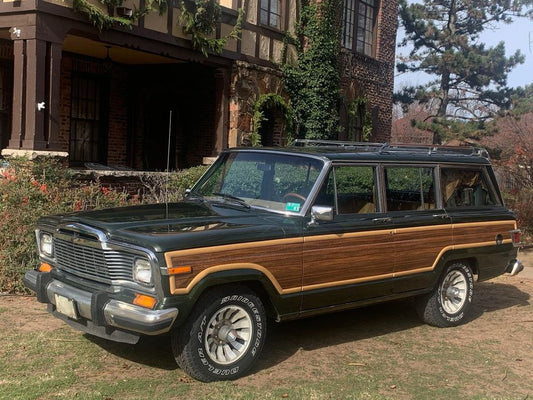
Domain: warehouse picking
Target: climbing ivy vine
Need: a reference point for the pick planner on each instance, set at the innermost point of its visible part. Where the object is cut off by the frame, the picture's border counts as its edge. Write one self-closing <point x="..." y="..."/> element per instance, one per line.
<point x="359" y="110"/>
<point x="266" y="101"/>
<point x="313" y="84"/>
<point x="102" y="20"/>
<point x="198" y="18"/>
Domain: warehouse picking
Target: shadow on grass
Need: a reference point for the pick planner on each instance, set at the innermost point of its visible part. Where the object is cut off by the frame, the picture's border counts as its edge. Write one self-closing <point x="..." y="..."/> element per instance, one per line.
<point x="285" y="339"/>
<point x="152" y="351"/>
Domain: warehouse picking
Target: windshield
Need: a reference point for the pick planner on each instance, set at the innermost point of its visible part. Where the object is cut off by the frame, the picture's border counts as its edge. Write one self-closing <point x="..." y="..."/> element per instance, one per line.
<point x="277" y="182"/>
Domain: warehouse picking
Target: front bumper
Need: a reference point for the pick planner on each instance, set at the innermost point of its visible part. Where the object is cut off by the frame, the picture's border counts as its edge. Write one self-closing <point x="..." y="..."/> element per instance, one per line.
<point x="96" y="313"/>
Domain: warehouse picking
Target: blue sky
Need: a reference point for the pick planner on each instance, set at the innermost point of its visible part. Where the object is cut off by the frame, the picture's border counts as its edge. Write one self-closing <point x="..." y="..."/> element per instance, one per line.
<point x="516" y="36"/>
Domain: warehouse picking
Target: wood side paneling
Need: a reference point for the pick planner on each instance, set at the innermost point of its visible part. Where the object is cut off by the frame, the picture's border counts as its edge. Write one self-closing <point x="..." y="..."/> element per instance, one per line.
<point x="282" y="258"/>
<point x="419" y="248"/>
<point x="346" y="257"/>
<point x="482" y="232"/>
<point x="324" y="261"/>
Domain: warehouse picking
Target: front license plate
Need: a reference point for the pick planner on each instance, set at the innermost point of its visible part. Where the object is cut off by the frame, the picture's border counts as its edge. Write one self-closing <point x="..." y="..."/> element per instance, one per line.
<point x="66" y="306"/>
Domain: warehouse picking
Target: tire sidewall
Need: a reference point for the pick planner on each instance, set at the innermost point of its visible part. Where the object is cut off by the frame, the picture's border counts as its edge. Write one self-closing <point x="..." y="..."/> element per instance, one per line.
<point x="209" y="368"/>
<point x="456" y="318"/>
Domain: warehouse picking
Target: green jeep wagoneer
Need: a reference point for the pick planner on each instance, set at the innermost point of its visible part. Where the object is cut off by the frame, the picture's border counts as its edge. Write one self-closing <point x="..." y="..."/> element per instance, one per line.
<point x="280" y="233"/>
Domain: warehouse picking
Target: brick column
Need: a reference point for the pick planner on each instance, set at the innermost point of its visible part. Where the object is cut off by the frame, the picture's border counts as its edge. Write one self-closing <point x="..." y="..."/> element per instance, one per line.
<point x="17" y="126"/>
<point x="222" y="82"/>
<point x="35" y="76"/>
<point x="35" y="95"/>
<point x="53" y="95"/>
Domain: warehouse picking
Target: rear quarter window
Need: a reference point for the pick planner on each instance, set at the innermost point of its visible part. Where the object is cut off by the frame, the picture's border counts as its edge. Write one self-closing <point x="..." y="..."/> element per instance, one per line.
<point x="463" y="187"/>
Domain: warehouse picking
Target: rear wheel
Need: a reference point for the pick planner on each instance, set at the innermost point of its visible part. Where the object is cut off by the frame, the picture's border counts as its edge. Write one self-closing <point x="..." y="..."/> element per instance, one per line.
<point x="223" y="335"/>
<point x="449" y="302"/>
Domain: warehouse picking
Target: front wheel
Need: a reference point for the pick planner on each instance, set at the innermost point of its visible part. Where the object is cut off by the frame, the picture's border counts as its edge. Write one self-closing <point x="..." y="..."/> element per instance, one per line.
<point x="449" y="302"/>
<point x="223" y="335"/>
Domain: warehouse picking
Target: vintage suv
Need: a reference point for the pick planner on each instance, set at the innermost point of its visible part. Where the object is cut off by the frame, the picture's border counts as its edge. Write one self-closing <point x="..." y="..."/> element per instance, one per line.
<point x="280" y="233"/>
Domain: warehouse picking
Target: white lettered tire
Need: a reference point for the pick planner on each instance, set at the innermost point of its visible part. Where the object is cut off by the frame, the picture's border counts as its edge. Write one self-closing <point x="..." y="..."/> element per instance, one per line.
<point x="448" y="304"/>
<point x="223" y="336"/>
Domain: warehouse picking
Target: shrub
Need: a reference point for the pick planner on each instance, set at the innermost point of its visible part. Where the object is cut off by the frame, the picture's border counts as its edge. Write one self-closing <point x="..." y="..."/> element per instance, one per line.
<point x="520" y="202"/>
<point x="162" y="187"/>
<point x="30" y="189"/>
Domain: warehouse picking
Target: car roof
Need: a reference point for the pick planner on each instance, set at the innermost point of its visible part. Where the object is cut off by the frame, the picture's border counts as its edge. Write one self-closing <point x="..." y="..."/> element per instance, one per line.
<point x="340" y="151"/>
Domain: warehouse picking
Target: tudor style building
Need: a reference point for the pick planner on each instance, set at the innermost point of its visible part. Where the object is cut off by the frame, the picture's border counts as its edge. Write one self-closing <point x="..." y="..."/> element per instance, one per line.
<point x="119" y="96"/>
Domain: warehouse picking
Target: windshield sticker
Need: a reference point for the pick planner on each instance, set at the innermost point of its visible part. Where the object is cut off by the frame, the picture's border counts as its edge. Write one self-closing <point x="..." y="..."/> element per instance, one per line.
<point x="292" y="207"/>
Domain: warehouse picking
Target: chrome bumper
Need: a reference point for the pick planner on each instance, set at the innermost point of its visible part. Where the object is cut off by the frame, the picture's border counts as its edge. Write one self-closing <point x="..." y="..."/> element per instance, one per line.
<point x="514" y="267"/>
<point x="95" y="315"/>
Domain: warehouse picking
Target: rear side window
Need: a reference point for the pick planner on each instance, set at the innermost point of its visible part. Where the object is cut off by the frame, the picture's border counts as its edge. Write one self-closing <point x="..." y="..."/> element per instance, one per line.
<point x="466" y="188"/>
<point x="410" y="188"/>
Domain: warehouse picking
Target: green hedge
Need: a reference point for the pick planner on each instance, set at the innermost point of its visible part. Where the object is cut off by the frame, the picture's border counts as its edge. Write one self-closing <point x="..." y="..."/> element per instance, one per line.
<point x="30" y="189"/>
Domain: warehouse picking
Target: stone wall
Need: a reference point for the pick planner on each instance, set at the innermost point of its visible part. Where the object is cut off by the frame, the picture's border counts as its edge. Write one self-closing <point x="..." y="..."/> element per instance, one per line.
<point x="248" y="83"/>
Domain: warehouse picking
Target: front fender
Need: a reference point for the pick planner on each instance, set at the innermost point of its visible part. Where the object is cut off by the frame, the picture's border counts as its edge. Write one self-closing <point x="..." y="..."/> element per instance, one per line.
<point x="256" y="278"/>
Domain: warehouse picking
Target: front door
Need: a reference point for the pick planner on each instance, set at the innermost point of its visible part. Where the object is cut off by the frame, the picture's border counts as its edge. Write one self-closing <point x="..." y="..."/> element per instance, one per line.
<point x="352" y="257"/>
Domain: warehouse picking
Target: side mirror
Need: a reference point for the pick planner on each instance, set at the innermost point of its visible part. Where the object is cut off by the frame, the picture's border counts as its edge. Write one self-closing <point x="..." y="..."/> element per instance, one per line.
<point x="320" y="213"/>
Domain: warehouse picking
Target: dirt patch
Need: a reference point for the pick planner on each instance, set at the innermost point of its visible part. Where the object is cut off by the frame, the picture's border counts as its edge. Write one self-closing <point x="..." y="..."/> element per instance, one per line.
<point x="490" y="355"/>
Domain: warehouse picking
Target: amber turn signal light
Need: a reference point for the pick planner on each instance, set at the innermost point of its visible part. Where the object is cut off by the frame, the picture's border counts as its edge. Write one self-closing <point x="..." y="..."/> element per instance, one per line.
<point x="144" y="301"/>
<point x="45" y="267"/>
<point x="180" y="270"/>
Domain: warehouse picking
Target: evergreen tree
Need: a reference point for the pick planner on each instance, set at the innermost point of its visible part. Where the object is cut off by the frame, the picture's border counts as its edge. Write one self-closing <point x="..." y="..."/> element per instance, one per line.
<point x="470" y="79"/>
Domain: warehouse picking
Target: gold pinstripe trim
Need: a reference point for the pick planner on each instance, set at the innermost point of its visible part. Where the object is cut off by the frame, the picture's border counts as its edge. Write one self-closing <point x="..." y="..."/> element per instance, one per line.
<point x="334" y="236"/>
<point x="229" y="267"/>
<point x="227" y="247"/>
<point x="444" y="250"/>
<point x="346" y="282"/>
<point x="488" y="223"/>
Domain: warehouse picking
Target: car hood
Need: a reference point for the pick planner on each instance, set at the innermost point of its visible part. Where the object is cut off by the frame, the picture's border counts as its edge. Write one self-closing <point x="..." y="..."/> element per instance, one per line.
<point x="183" y="225"/>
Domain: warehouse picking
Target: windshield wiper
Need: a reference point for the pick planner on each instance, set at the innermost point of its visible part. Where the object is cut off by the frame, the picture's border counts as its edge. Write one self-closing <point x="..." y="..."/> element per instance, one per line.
<point x="235" y="199"/>
<point x="190" y="194"/>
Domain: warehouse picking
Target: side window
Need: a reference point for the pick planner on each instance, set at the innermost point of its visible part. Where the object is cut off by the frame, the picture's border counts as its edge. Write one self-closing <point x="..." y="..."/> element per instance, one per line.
<point x="410" y="188"/>
<point x="350" y="190"/>
<point x="466" y="188"/>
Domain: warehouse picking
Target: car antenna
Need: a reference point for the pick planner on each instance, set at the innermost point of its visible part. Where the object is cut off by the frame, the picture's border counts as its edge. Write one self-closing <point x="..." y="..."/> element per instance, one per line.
<point x="167" y="178"/>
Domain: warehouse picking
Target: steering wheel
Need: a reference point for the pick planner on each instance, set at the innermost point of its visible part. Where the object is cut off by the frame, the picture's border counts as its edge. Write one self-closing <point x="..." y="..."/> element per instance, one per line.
<point x="292" y="194"/>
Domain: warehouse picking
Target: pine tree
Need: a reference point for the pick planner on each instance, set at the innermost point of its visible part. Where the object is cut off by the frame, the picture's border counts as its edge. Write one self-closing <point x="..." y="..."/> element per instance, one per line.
<point x="470" y="78"/>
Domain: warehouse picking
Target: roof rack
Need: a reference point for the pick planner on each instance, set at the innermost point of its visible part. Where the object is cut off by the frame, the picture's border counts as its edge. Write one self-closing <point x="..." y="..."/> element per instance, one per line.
<point x="385" y="148"/>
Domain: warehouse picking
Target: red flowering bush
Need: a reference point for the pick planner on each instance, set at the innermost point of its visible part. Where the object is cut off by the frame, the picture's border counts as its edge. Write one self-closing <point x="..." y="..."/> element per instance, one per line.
<point x="31" y="189"/>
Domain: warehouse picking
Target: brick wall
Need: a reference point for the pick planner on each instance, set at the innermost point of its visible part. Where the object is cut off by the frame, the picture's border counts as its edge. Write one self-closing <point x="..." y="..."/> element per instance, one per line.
<point x="118" y="110"/>
<point x="117" y="145"/>
<point x="373" y="78"/>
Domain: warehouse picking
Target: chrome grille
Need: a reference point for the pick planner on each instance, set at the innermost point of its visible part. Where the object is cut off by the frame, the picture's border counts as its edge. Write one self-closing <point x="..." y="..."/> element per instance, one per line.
<point x="93" y="263"/>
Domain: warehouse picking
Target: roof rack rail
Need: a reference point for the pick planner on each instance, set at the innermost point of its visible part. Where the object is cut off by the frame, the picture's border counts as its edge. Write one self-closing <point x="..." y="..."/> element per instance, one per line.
<point x="392" y="148"/>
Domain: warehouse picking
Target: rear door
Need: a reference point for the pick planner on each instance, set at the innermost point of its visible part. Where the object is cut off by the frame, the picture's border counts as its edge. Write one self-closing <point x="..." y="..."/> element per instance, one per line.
<point x="422" y="228"/>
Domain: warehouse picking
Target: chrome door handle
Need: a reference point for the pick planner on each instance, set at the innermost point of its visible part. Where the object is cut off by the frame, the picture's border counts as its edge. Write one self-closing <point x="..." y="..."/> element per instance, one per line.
<point x="384" y="220"/>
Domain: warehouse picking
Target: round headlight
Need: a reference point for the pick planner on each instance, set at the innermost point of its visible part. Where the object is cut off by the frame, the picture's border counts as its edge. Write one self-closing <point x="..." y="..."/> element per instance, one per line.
<point x="142" y="271"/>
<point x="46" y="245"/>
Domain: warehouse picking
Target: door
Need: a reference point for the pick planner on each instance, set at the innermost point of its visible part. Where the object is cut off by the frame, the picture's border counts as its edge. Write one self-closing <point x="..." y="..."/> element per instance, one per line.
<point x="351" y="257"/>
<point x="422" y="228"/>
